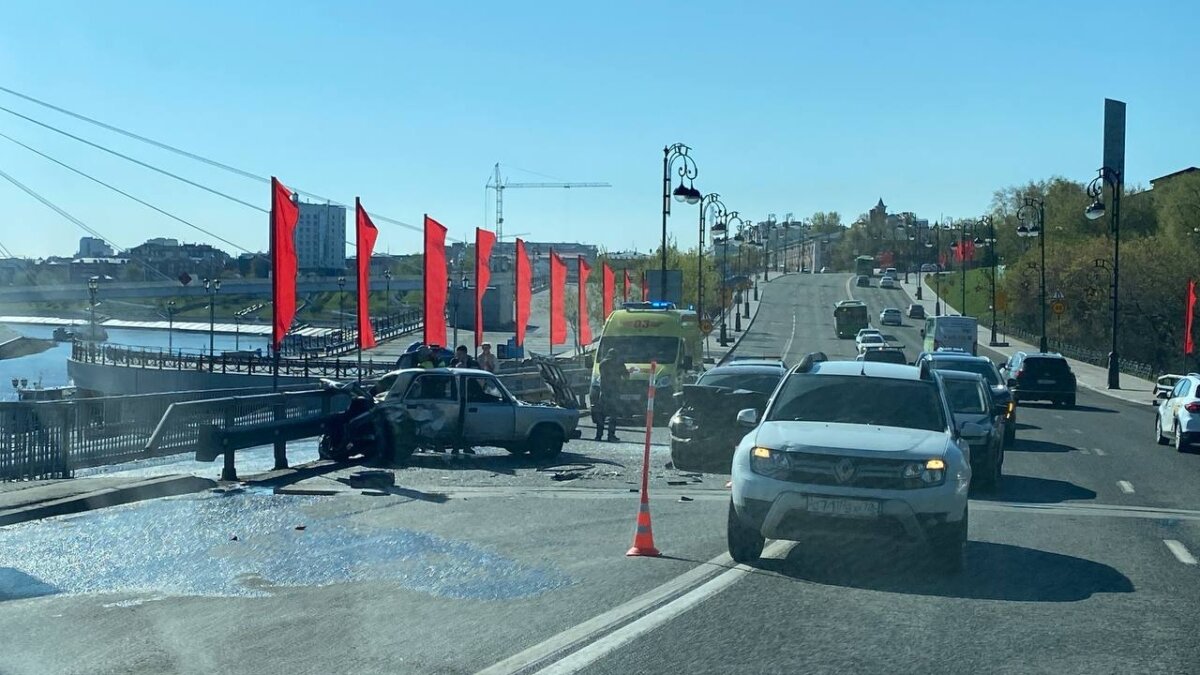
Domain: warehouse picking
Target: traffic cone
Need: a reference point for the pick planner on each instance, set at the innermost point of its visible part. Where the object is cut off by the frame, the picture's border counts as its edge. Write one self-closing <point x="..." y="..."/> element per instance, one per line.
<point x="643" y="537"/>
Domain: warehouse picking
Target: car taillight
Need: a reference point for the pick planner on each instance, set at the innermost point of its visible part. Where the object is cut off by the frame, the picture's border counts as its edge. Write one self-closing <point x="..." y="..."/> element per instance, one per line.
<point x="1192" y="407"/>
<point x="1020" y="372"/>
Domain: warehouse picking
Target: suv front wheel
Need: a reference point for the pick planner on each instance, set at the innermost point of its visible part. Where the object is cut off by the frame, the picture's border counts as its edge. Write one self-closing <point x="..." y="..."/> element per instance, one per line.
<point x="745" y="544"/>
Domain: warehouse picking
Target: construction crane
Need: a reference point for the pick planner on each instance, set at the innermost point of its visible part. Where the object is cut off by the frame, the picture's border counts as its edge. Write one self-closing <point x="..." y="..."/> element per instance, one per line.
<point x="499" y="184"/>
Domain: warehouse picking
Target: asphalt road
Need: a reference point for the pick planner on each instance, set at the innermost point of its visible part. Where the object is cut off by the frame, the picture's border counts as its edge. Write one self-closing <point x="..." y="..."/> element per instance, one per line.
<point x="494" y="562"/>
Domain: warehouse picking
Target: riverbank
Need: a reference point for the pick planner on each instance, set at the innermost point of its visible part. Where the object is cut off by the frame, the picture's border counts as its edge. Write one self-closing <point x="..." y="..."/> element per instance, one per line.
<point x="13" y="345"/>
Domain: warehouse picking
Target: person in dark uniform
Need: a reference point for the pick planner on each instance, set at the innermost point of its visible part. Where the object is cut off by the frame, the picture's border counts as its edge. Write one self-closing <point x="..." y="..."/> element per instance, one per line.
<point x="613" y="374"/>
<point x="463" y="358"/>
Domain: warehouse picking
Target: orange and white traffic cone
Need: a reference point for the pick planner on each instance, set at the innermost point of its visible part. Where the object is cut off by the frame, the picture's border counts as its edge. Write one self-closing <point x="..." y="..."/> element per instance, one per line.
<point x="643" y="537"/>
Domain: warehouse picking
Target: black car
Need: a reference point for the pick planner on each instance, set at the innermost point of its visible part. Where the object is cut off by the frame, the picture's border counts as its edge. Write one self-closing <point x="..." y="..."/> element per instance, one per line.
<point x="1040" y="376"/>
<point x="884" y="355"/>
<point x="916" y="311"/>
<point x="704" y="432"/>
<point x="863" y="281"/>
<point x="1002" y="396"/>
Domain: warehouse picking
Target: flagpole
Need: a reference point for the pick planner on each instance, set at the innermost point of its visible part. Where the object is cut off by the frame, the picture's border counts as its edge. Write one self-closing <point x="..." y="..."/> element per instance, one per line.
<point x="551" y="260"/>
<point x="274" y="300"/>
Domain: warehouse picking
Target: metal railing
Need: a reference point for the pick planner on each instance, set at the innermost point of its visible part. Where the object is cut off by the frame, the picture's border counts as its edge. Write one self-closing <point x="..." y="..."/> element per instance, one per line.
<point x="345" y="341"/>
<point x="1092" y="356"/>
<point x="245" y="363"/>
<point x="53" y="438"/>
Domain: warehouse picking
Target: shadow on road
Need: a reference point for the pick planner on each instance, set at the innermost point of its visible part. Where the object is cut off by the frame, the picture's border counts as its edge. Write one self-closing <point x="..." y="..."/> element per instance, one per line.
<point x="505" y="463"/>
<point x="1025" y="445"/>
<point x="1030" y="490"/>
<point x="1021" y="426"/>
<point x="993" y="572"/>
<point x="1091" y="408"/>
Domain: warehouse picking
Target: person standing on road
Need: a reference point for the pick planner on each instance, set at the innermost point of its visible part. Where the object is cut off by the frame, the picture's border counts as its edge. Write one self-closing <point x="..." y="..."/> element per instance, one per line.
<point x="487" y="360"/>
<point x="613" y="373"/>
<point x="463" y="359"/>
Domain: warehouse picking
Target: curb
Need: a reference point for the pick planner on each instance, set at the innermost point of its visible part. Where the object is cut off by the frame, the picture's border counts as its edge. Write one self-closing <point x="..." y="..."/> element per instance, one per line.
<point x="745" y="329"/>
<point x="153" y="488"/>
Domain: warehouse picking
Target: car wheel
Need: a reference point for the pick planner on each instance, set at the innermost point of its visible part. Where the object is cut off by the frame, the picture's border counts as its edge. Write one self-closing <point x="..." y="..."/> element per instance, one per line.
<point x="745" y="544"/>
<point x="1158" y="434"/>
<point x="327" y="448"/>
<point x="545" y="443"/>
<point x="948" y="546"/>
<point x="1181" y="443"/>
<point x="1070" y="402"/>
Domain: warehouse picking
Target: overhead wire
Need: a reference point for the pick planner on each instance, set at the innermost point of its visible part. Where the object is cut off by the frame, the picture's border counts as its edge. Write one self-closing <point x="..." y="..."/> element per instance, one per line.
<point x="78" y="223"/>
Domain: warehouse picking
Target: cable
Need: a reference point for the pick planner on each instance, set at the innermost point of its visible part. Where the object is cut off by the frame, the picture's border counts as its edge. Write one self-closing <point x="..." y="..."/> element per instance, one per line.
<point x="135" y="161"/>
<point x="82" y="225"/>
<point x="122" y="192"/>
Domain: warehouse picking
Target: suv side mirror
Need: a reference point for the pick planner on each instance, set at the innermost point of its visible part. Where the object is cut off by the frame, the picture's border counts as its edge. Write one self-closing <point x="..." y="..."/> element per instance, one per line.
<point x="747" y="418"/>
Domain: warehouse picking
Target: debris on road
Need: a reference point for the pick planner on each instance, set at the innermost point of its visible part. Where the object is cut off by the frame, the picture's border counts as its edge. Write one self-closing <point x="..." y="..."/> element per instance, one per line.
<point x="684" y="498"/>
<point x="565" y="475"/>
<point x="301" y="527"/>
<point x="371" y="478"/>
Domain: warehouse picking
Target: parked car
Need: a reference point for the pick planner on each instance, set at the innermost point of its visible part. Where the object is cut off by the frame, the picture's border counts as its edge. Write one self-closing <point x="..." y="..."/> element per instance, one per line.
<point x="863" y="281"/>
<point x="970" y="401"/>
<point x="852" y="450"/>
<point x="890" y="316"/>
<point x="1002" y="398"/>
<point x="704" y="432"/>
<point x="1178" y="418"/>
<point x="916" y="311"/>
<point x="1040" y="376"/>
<point x="888" y="282"/>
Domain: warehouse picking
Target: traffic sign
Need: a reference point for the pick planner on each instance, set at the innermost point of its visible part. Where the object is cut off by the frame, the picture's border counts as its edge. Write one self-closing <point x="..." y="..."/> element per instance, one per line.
<point x="1057" y="295"/>
<point x="706" y="326"/>
<point x="1058" y="307"/>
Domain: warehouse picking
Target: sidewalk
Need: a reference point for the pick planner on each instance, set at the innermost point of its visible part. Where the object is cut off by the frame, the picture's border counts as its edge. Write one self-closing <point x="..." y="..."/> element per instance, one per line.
<point x="1133" y="389"/>
<point x="712" y="342"/>
<point x="33" y="500"/>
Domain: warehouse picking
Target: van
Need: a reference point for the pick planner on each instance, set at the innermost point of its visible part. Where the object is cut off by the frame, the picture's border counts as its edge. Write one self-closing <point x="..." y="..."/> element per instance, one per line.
<point x="952" y="333"/>
<point x="642" y="332"/>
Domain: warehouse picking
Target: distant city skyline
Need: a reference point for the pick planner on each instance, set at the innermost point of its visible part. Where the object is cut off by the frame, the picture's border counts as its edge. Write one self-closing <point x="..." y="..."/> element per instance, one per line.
<point x="815" y="108"/>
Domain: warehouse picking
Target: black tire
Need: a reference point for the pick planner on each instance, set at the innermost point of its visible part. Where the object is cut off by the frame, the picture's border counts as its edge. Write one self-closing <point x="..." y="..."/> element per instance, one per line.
<point x="1158" y="434"/>
<point x="1070" y="401"/>
<point x="546" y="442"/>
<point x="1181" y="441"/>
<point x="947" y="546"/>
<point x="745" y="544"/>
<point x="328" y="449"/>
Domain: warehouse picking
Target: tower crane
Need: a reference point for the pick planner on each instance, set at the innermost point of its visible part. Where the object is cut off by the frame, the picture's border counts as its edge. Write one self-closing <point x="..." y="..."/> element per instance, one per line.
<point x="499" y="184"/>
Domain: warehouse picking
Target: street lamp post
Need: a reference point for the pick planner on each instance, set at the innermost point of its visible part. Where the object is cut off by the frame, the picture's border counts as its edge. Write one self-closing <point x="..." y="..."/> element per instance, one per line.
<point x="170" y="325"/>
<point x="937" y="260"/>
<point x="689" y="194"/>
<point x="721" y="226"/>
<point x="713" y="201"/>
<point x="341" y="306"/>
<point x="991" y="243"/>
<point x="387" y="300"/>
<point x="1037" y="208"/>
<point x="93" y="286"/>
<point x="787" y="225"/>
<point x="1095" y="190"/>
<point x="211" y="286"/>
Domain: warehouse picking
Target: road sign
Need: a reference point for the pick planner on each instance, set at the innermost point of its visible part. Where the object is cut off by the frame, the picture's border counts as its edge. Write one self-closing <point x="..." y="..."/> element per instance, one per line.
<point x="1001" y="301"/>
<point x="1057" y="295"/>
<point x="1058" y="307"/>
<point x="706" y="326"/>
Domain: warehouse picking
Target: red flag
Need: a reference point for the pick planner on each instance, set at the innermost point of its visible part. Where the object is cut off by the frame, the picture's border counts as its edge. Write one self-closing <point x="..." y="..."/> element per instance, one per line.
<point x="625" y="294"/>
<point x="607" y="289"/>
<point x="1189" y="345"/>
<point x="558" y="284"/>
<point x="524" y="281"/>
<point x="585" y="329"/>
<point x="645" y="288"/>
<point x="284" y="214"/>
<point x="364" y="242"/>
<point x="484" y="239"/>
<point x="435" y="283"/>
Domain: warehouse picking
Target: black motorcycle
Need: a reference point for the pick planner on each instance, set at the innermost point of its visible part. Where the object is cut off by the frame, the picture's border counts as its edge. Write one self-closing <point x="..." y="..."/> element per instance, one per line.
<point x="360" y="430"/>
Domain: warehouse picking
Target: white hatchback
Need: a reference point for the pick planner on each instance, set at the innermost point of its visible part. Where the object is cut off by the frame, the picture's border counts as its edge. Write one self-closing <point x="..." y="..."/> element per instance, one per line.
<point x="1178" y="417"/>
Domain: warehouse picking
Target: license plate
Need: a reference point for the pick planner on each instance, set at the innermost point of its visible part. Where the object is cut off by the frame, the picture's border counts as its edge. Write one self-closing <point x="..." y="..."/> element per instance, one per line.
<point x="1046" y="381"/>
<point x="853" y="508"/>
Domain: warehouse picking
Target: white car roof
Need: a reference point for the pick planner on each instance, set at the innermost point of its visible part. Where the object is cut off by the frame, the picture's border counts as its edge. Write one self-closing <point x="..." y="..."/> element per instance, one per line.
<point x="868" y="368"/>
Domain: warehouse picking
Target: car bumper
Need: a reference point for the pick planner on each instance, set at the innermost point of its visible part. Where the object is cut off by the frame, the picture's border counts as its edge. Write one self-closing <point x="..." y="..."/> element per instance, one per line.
<point x="1189" y="423"/>
<point x="1035" y="394"/>
<point x="701" y="454"/>
<point x="779" y="509"/>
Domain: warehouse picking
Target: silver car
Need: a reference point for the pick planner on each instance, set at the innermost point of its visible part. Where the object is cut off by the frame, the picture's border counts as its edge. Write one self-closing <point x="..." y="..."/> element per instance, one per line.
<point x="852" y="449"/>
<point x="970" y="399"/>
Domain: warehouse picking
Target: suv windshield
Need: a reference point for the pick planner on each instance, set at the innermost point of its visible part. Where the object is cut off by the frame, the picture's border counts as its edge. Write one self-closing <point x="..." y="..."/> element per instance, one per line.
<point x="763" y="383"/>
<point x="911" y="404"/>
<point x="662" y="349"/>
<point x="983" y="368"/>
<point x="1041" y="365"/>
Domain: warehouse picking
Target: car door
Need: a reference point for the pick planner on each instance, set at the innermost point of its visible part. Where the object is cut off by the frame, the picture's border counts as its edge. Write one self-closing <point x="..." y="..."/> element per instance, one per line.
<point x="1179" y="396"/>
<point x="489" y="414"/>
<point x="431" y="402"/>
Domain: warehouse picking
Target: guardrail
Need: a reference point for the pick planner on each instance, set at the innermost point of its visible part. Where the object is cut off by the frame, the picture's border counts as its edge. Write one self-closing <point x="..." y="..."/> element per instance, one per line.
<point x="51" y="439"/>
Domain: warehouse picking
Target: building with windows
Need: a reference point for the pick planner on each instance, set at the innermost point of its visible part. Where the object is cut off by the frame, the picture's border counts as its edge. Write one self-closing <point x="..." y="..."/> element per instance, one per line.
<point x="93" y="247"/>
<point x="321" y="239"/>
<point x="172" y="259"/>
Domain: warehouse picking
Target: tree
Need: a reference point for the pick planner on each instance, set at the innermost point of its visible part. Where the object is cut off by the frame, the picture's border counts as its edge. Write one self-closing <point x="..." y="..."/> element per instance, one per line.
<point x="823" y="222"/>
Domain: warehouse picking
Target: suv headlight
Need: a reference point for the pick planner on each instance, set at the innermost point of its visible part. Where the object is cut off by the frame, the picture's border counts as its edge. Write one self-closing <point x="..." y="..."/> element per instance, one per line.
<point x="929" y="472"/>
<point x="768" y="462"/>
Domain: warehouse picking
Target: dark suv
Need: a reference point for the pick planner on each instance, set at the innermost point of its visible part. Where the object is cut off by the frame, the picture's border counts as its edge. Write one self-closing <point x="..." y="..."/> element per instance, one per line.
<point x="1040" y="377"/>
<point x="1002" y="398"/>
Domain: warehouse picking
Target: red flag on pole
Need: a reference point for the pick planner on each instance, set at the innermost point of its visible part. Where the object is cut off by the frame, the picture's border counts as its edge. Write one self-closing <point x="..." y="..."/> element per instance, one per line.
<point x="435" y="283"/>
<point x="1189" y="345"/>
<point x="364" y="242"/>
<point x="284" y="214"/>
<point x="645" y="288"/>
<point x="607" y="289"/>
<point x="524" y="281"/>
<point x="484" y="240"/>
<point x="625" y="294"/>
<point x="558" y="284"/>
<point x="585" y="329"/>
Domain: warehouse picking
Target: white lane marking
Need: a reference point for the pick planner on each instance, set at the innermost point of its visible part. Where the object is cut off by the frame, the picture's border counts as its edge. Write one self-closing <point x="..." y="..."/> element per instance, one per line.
<point x="787" y="347"/>
<point x="1078" y="431"/>
<point x="1057" y="416"/>
<point x="1084" y="451"/>
<point x="1180" y="551"/>
<point x="849" y="293"/>
<point x="626" y="634"/>
<point x="1125" y="486"/>
<point x="1098" y="451"/>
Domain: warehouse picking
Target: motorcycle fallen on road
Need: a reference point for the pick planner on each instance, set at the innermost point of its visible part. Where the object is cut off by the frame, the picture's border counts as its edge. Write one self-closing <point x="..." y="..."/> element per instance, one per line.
<point x="361" y="429"/>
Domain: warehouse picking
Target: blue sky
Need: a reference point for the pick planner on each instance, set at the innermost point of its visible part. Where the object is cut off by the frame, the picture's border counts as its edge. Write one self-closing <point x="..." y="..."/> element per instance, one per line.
<point x="789" y="107"/>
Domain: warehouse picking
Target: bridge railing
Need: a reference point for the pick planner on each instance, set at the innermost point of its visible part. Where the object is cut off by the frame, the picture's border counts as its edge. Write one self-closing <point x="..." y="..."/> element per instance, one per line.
<point x="1092" y="356"/>
<point x="344" y="341"/>
<point x="246" y="363"/>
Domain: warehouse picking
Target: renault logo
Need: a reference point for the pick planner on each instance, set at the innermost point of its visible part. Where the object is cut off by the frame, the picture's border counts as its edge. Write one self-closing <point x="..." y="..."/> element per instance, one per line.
<point x="843" y="471"/>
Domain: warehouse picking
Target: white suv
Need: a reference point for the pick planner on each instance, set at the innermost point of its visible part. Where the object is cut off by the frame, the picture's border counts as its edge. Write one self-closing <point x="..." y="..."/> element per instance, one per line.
<point x="1179" y="413"/>
<point x="853" y="449"/>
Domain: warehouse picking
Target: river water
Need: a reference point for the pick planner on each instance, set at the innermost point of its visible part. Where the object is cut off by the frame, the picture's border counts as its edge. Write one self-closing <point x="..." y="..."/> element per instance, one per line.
<point x="50" y="367"/>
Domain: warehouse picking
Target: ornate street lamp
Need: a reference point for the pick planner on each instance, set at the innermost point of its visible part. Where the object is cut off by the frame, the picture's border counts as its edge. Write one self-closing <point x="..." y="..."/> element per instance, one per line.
<point x="689" y="194"/>
<point x="1036" y="209"/>
<point x="1112" y="178"/>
